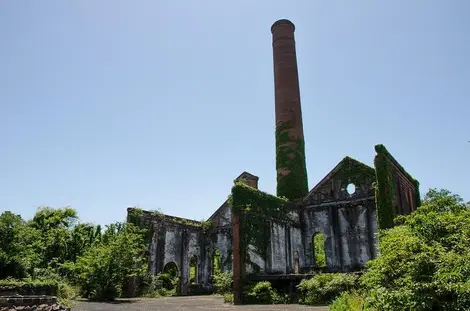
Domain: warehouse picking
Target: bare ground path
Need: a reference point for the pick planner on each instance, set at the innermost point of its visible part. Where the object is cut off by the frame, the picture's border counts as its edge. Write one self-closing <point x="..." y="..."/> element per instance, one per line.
<point x="196" y="303"/>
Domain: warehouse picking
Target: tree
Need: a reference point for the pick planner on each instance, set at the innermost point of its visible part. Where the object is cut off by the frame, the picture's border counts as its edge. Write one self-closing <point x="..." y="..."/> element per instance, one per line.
<point x="106" y="265"/>
<point x="55" y="227"/>
<point x="19" y="251"/>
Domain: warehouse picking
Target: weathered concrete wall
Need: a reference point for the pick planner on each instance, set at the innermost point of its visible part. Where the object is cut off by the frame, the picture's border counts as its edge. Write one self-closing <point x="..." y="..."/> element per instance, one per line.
<point x="349" y="230"/>
<point x="406" y="191"/>
<point x="277" y="257"/>
<point x="285" y="239"/>
<point x="257" y="262"/>
<point x="346" y="220"/>
<point x="176" y="240"/>
<point x="321" y="219"/>
<point x="356" y="241"/>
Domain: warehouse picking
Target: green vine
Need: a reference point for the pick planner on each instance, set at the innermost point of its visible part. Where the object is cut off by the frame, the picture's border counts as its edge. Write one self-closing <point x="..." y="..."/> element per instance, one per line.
<point x="385" y="186"/>
<point x="354" y="171"/>
<point x="206" y="225"/>
<point x="381" y="149"/>
<point x="290" y="155"/>
<point x="135" y="215"/>
<point x="255" y="210"/>
<point x="384" y="192"/>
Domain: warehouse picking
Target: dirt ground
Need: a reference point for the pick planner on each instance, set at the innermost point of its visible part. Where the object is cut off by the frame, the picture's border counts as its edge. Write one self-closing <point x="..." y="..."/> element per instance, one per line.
<point x="199" y="303"/>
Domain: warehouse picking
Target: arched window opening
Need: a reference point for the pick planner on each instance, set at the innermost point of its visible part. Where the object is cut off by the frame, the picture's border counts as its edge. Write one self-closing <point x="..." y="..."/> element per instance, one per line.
<point x="216" y="262"/>
<point x="319" y="255"/>
<point x="193" y="271"/>
<point x="170" y="276"/>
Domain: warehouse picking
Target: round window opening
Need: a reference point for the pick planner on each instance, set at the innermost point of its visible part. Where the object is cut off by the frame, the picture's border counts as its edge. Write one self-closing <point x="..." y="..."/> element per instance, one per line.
<point x="351" y="188"/>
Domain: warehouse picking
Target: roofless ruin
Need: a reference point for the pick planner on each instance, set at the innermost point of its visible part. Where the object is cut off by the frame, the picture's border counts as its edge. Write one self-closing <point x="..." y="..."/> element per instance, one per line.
<point x="259" y="236"/>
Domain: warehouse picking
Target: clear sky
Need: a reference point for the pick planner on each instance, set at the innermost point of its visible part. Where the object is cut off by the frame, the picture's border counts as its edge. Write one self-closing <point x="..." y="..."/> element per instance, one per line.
<point x="161" y="104"/>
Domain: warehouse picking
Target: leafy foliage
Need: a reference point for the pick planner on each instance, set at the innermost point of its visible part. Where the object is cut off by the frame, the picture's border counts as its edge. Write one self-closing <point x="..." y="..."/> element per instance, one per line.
<point x="424" y="262"/>
<point x="319" y="250"/>
<point x="104" y="268"/>
<point x="21" y="248"/>
<point x="262" y="293"/>
<point x="349" y="302"/>
<point x="222" y="282"/>
<point x="54" y="248"/>
<point x="324" y="288"/>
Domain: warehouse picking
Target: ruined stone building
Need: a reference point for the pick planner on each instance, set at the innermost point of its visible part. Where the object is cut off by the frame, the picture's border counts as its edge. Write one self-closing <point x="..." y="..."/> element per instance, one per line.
<point x="263" y="236"/>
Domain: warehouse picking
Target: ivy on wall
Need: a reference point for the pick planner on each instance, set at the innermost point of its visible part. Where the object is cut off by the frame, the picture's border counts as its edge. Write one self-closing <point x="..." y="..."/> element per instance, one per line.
<point x="290" y="155"/>
<point x="354" y="171"/>
<point x="385" y="187"/>
<point x="384" y="191"/>
<point x="256" y="209"/>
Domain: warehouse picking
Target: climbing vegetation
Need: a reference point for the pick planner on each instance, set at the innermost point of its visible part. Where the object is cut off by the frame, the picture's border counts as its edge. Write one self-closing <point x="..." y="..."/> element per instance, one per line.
<point x="290" y="156"/>
<point x="256" y="210"/>
<point x="385" y="192"/>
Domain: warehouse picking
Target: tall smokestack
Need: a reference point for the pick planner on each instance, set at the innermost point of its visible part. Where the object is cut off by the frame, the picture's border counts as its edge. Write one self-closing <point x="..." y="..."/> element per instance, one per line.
<point x="290" y="147"/>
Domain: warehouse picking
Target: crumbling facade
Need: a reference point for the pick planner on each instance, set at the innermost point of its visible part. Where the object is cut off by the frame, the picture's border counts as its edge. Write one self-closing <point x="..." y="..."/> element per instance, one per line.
<point x="261" y="236"/>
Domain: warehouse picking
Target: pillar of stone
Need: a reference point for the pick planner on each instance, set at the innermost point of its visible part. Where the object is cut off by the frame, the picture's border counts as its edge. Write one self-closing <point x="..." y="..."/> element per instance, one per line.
<point x="290" y="149"/>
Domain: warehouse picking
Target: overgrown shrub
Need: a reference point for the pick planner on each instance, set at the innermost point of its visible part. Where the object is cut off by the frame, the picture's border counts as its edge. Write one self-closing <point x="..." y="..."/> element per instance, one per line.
<point x="324" y="288"/>
<point x="106" y="266"/>
<point x="262" y="293"/>
<point x="424" y="261"/>
<point x="349" y="302"/>
<point x="228" y="297"/>
<point x="222" y="282"/>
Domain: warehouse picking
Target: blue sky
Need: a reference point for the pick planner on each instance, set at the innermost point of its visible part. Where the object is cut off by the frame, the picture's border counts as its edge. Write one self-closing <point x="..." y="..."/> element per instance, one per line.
<point x="161" y="104"/>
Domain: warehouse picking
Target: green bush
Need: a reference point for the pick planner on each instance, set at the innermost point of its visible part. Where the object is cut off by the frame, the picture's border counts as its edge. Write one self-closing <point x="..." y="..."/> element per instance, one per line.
<point x="222" y="282"/>
<point x="228" y="297"/>
<point x="349" y="302"/>
<point x="424" y="261"/>
<point x="66" y="293"/>
<point x="324" y="288"/>
<point x="263" y="293"/>
<point x="106" y="266"/>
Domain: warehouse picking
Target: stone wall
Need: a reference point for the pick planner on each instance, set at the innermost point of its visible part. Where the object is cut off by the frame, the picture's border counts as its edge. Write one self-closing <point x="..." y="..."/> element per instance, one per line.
<point x="349" y="231"/>
<point x="177" y="240"/>
<point x="23" y="303"/>
<point x="406" y="191"/>
<point x="397" y="191"/>
<point x="346" y="220"/>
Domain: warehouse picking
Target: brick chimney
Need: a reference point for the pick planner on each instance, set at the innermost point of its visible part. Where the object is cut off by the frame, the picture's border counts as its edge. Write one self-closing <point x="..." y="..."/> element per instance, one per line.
<point x="290" y="147"/>
<point x="248" y="179"/>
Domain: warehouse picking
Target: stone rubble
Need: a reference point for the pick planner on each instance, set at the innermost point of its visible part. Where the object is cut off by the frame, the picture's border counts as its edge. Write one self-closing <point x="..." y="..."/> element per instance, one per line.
<point x="43" y="307"/>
